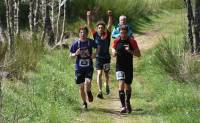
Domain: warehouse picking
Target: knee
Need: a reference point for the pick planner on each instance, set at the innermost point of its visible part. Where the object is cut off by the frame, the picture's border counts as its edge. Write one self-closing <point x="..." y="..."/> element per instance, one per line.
<point x="121" y="85"/>
<point x="106" y="74"/>
<point x="99" y="73"/>
<point x="87" y="81"/>
<point x="128" y="87"/>
<point x="82" y="87"/>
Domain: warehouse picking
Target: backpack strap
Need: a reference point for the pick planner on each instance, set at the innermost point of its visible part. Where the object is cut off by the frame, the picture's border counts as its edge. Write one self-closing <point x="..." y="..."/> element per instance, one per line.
<point x="88" y="42"/>
<point x="79" y="44"/>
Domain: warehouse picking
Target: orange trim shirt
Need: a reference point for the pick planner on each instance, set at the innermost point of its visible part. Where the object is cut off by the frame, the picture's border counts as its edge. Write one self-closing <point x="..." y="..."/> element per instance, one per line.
<point x="103" y="44"/>
<point x="131" y="40"/>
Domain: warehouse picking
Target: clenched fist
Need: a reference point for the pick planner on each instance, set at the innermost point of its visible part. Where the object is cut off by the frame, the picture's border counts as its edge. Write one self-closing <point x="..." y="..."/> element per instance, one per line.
<point x="88" y="13"/>
<point x="109" y="13"/>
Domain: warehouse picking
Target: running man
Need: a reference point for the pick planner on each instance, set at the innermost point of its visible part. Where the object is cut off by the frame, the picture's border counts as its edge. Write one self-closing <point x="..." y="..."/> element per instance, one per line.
<point x="102" y="39"/>
<point x="81" y="49"/>
<point x="116" y="30"/>
<point x="123" y="48"/>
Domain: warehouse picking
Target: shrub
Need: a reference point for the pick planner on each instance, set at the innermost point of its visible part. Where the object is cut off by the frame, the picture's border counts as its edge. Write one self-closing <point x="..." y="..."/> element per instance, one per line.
<point x="176" y="61"/>
<point x="27" y="54"/>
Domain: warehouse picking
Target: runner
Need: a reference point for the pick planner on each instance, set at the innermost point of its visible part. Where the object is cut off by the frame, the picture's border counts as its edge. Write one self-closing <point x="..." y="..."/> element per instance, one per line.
<point x="81" y="49"/>
<point x="123" y="48"/>
<point x="122" y="21"/>
<point x="102" y="39"/>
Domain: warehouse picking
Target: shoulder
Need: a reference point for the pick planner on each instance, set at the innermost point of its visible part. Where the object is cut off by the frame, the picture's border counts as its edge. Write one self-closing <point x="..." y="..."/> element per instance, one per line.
<point x="91" y="42"/>
<point x="75" y="42"/>
<point x="117" y="39"/>
<point x="94" y="32"/>
<point x="89" y="39"/>
<point x="108" y="32"/>
<point x="132" y="39"/>
<point x="133" y="42"/>
<point x="74" y="45"/>
<point x="115" y="42"/>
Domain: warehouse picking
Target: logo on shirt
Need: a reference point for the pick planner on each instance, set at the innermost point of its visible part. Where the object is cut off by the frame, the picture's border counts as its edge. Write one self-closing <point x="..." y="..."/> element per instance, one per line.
<point x="84" y="53"/>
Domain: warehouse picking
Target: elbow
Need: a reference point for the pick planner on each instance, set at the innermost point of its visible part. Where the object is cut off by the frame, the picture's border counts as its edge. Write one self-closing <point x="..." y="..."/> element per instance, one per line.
<point x="137" y="53"/>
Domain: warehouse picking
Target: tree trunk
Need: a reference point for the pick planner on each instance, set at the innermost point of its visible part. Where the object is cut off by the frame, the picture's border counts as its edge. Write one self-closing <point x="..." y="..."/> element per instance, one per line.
<point x="57" y="24"/>
<point x="43" y="17"/>
<point x="16" y="16"/>
<point x="36" y="15"/>
<point x="190" y="23"/>
<point x="63" y="26"/>
<point x="11" y="9"/>
<point x="48" y="26"/>
<point x="197" y="25"/>
<point x="31" y="15"/>
<point x="52" y="15"/>
<point x="10" y="24"/>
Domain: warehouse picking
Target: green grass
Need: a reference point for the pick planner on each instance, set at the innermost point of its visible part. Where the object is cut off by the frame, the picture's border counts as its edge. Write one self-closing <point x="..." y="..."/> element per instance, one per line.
<point x="46" y="95"/>
<point x="173" y="101"/>
<point x="159" y="92"/>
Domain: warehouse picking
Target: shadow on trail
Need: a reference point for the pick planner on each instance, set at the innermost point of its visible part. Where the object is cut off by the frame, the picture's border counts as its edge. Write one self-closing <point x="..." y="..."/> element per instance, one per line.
<point x="104" y="110"/>
<point x="136" y="111"/>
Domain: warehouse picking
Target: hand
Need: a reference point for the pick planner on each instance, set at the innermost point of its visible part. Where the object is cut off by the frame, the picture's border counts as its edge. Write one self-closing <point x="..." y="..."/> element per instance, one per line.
<point x="78" y="52"/>
<point x="109" y="13"/>
<point x="130" y="51"/>
<point x="93" y="56"/>
<point x="114" y="52"/>
<point x="88" y="13"/>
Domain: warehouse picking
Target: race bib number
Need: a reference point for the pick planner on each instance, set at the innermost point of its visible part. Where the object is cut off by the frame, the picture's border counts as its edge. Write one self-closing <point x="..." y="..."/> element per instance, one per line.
<point x="120" y="75"/>
<point x="84" y="62"/>
<point x="106" y="67"/>
<point x="127" y="48"/>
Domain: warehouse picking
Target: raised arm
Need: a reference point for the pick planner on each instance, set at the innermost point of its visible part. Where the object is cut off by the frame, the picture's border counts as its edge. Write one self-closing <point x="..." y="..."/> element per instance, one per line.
<point x="110" y="21"/>
<point x="89" y="20"/>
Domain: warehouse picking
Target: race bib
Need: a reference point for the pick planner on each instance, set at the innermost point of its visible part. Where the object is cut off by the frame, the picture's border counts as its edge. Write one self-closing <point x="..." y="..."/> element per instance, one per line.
<point x="120" y="75"/>
<point x="106" y="67"/>
<point x="84" y="62"/>
<point x="127" y="48"/>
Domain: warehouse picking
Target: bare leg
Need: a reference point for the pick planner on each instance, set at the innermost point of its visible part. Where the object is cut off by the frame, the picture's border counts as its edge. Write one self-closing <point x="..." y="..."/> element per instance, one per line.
<point x="121" y="92"/>
<point x="82" y="92"/>
<point x="99" y="79"/>
<point x="107" y="77"/>
<point x="88" y="85"/>
<point x="128" y="97"/>
<point x="88" y="89"/>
